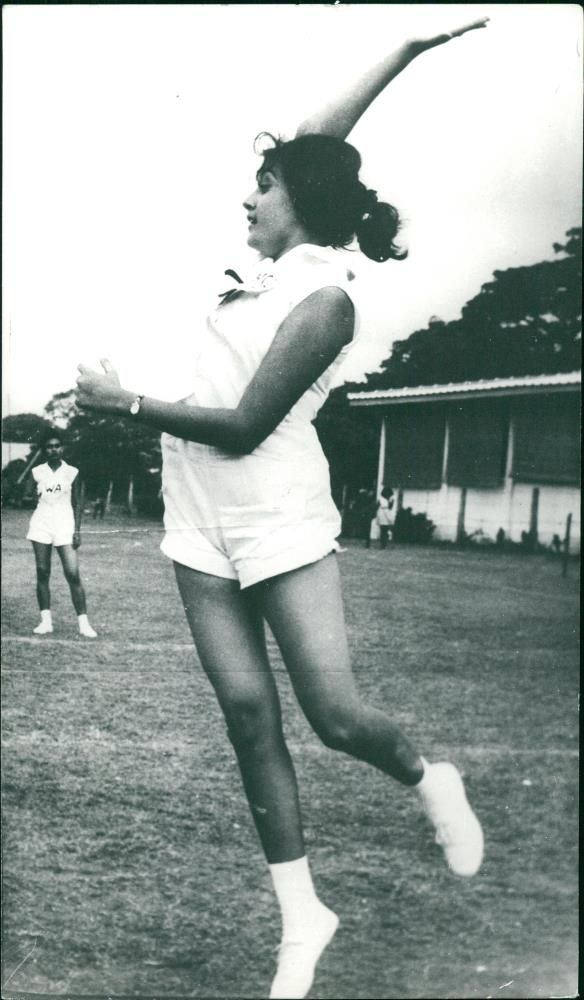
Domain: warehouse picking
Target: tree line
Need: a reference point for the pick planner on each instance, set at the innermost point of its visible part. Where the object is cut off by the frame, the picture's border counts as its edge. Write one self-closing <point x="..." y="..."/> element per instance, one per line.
<point x="525" y="321"/>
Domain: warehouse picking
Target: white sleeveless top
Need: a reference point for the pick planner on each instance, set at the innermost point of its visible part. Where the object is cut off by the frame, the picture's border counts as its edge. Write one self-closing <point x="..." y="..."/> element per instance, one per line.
<point x="241" y="329"/>
<point x="54" y="486"/>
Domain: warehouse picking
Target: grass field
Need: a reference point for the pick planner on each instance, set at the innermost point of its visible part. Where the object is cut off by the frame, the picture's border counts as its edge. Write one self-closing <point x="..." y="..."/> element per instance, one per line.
<point x="131" y="867"/>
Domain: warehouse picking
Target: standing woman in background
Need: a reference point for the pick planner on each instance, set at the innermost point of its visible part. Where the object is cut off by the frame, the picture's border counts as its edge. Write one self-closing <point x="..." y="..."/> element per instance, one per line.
<point x="384" y="516"/>
<point x="250" y="522"/>
<point x="57" y="522"/>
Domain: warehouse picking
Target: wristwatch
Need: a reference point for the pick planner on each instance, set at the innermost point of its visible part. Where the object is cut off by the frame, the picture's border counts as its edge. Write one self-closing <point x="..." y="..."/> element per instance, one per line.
<point x="135" y="407"/>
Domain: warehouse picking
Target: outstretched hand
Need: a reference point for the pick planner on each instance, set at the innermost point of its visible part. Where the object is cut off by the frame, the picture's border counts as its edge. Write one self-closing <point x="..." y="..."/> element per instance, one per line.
<point x="429" y="43"/>
<point x="481" y="22"/>
<point x="97" y="391"/>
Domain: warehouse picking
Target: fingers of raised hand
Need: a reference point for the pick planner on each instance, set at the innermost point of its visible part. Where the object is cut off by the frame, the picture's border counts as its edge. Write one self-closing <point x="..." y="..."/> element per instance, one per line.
<point x="481" y="22"/>
<point x="106" y="365"/>
<point x="85" y="384"/>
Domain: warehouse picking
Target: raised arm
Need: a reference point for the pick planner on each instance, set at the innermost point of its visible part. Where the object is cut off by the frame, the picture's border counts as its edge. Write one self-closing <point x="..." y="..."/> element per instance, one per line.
<point x="307" y="342"/>
<point x="340" y="116"/>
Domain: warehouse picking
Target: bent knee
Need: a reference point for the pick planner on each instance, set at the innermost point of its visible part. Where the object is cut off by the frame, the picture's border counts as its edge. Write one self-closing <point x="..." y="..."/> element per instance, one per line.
<point x="338" y="730"/>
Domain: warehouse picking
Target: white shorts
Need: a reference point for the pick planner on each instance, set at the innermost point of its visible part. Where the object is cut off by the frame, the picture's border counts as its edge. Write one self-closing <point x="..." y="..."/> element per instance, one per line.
<point x="246" y="517"/>
<point x="52" y="528"/>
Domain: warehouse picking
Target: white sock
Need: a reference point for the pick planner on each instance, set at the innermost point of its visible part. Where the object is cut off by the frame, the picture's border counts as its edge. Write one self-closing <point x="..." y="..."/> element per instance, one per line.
<point x="296" y="895"/>
<point x="85" y="628"/>
<point x="46" y="618"/>
<point x="422" y="783"/>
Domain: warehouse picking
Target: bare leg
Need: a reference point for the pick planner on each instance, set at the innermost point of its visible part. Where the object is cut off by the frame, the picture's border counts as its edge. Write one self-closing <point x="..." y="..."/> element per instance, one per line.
<point x="228" y="633"/>
<point x="305" y="612"/>
<point x="70" y="563"/>
<point x="42" y="555"/>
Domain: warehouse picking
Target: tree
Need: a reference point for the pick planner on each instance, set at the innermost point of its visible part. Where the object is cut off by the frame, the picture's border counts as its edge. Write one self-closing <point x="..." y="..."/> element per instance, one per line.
<point x="62" y="407"/>
<point x="24" y="428"/>
<point x="526" y="321"/>
<point x="350" y="441"/>
<point x="14" y="487"/>
<point x="124" y="453"/>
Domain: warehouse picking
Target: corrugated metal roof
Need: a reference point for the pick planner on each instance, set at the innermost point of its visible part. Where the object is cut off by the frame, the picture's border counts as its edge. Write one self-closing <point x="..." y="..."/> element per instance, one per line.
<point x="450" y="390"/>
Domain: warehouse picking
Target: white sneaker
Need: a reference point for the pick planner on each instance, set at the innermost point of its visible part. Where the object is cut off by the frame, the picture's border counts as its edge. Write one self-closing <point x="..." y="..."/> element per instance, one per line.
<point x="298" y="957"/>
<point x="458" y="831"/>
<point x="87" y="631"/>
<point x="43" y="628"/>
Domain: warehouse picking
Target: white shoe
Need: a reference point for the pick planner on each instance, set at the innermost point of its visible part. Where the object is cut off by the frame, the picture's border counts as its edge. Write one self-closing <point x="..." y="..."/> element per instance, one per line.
<point x="87" y="631"/>
<point x="458" y="831"/>
<point x="298" y="957"/>
<point x="43" y="628"/>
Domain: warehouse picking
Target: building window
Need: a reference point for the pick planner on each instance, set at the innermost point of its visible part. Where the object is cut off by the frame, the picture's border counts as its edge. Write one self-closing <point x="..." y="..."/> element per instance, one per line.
<point x="414" y="447"/>
<point x="546" y="440"/>
<point x="477" y="447"/>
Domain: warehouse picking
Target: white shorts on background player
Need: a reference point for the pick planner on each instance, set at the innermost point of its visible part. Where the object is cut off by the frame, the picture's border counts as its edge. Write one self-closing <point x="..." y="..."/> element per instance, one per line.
<point x="251" y="517"/>
<point x="53" y="522"/>
<point x="384" y="516"/>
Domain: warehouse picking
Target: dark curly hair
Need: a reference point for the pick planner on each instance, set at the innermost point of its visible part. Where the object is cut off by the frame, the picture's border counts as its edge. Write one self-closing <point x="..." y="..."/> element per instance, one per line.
<point x="321" y="174"/>
<point x="51" y="435"/>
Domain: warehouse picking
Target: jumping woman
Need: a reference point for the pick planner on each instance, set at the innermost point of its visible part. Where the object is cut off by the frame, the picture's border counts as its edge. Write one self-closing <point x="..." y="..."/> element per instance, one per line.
<point x="250" y="523"/>
<point x="56" y="522"/>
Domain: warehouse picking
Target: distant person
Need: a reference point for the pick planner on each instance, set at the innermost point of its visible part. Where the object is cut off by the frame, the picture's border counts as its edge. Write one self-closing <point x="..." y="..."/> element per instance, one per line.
<point x="369" y="512"/>
<point x="363" y="513"/>
<point x="98" y="508"/>
<point x="250" y="521"/>
<point x="56" y="522"/>
<point x="384" y="515"/>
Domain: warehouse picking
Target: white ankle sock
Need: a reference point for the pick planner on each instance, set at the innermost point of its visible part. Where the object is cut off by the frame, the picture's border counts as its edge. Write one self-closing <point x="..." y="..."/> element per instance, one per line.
<point x="422" y="783"/>
<point x="296" y="894"/>
<point x="83" y="620"/>
<point x="46" y="618"/>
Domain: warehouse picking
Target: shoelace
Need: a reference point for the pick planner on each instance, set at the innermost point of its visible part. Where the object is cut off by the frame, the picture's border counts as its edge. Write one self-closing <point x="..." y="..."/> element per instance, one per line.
<point x="445" y="835"/>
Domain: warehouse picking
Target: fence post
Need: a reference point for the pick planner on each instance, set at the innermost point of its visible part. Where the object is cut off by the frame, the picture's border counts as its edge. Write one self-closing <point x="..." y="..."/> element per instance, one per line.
<point x="108" y="498"/>
<point x="533" y="517"/>
<point x="566" y="552"/>
<point x="28" y="467"/>
<point x="460" y="532"/>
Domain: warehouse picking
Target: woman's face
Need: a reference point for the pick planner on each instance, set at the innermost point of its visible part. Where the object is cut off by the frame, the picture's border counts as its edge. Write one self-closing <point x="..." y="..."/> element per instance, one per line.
<point x="273" y="225"/>
<point x="53" y="450"/>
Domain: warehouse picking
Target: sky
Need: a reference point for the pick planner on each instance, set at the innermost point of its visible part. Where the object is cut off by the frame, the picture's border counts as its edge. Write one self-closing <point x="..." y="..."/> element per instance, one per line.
<point x="128" y="133"/>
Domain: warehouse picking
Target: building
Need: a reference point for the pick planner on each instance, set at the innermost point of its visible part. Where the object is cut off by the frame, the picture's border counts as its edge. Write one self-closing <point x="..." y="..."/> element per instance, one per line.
<point x="483" y="457"/>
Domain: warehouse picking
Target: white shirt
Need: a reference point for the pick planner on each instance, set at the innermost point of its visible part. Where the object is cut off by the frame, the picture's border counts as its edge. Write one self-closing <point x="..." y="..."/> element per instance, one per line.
<point x="54" y="486"/>
<point x="239" y="333"/>
<point x="384" y="512"/>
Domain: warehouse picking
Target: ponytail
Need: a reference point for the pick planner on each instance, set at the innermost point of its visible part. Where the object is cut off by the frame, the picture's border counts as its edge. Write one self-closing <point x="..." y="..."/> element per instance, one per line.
<point x="377" y="229"/>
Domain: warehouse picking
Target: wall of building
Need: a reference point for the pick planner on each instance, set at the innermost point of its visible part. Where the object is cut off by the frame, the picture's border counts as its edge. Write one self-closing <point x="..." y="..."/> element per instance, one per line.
<point x="479" y="460"/>
<point x="509" y="508"/>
